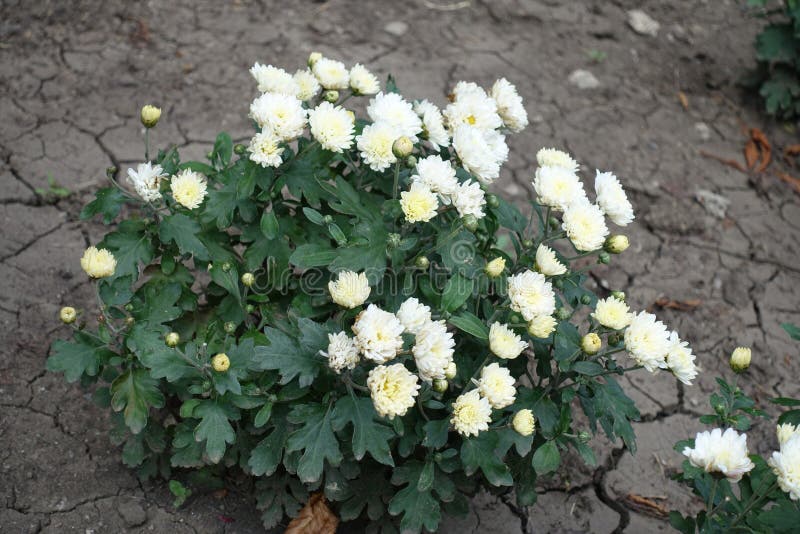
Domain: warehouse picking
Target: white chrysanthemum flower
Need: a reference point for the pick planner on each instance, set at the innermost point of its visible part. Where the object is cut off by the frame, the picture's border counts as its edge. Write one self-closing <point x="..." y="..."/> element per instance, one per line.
<point x="432" y="124"/>
<point x="718" y="452"/>
<point x="497" y="386"/>
<point x="331" y="74"/>
<point x="495" y="267"/>
<point x="433" y="351"/>
<point x="647" y="341"/>
<point x="785" y="432"/>
<point x="438" y="174"/>
<point x="524" y="422"/>
<point x="482" y="152"/>
<point x="98" y="263"/>
<point x="307" y="85"/>
<point x="375" y="145"/>
<point x="413" y="315"/>
<point x="550" y="157"/>
<point x="509" y="105"/>
<point x="612" y="312"/>
<point x="462" y="89"/>
<point x="332" y="126"/>
<point x="585" y="225"/>
<point x="542" y="326"/>
<point x="394" y="110"/>
<point x="274" y="80"/>
<point x="504" y="343"/>
<point x="350" y="289"/>
<point x="378" y="334"/>
<point x="612" y="199"/>
<point x="557" y="187"/>
<point x="283" y="114"/>
<point x="342" y="352"/>
<point x="786" y="466"/>
<point x="547" y="263"/>
<point x="472" y="108"/>
<point x="146" y="180"/>
<point x="680" y="360"/>
<point x="531" y="295"/>
<point x="362" y="81"/>
<point x="265" y="149"/>
<point x="393" y="389"/>
<point x="471" y="414"/>
<point x="469" y="199"/>
<point x="189" y="188"/>
<point x="419" y="203"/>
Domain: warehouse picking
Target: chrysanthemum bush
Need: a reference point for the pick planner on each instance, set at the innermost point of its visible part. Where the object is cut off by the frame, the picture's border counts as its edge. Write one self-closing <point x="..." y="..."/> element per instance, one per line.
<point x="339" y="306"/>
<point x="742" y="492"/>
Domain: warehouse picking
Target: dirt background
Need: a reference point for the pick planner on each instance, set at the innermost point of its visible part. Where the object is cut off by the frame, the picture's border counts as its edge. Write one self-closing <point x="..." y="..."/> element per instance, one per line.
<point x="73" y="75"/>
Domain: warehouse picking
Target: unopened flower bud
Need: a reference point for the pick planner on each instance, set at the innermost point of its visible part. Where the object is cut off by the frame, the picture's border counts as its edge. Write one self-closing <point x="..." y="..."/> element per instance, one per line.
<point x="68" y="315"/>
<point x="495" y="267"/>
<point x="402" y="147"/>
<point x="206" y="385"/>
<point x="559" y="283"/>
<point x="603" y="257"/>
<point x="562" y="314"/>
<point x="150" y="115"/>
<point x="740" y="359"/>
<point x="229" y="327"/>
<point x="248" y="279"/>
<point x="239" y="149"/>
<point x="411" y="162"/>
<point x="393" y="240"/>
<point x="584" y="436"/>
<point x="331" y="96"/>
<point x="553" y="222"/>
<point x="220" y="362"/>
<point x="440" y="386"/>
<point x="249" y="308"/>
<point x="470" y="222"/>
<point x="614" y="340"/>
<point x="450" y="371"/>
<point x="492" y="201"/>
<point x="616" y="244"/>
<point x="527" y="243"/>
<point x="129" y="321"/>
<point x="111" y="171"/>
<point x="619" y="295"/>
<point x="422" y="262"/>
<point x="542" y="326"/>
<point x="586" y="299"/>
<point x="591" y="343"/>
<point x="523" y="422"/>
<point x="226" y="266"/>
<point x="313" y="57"/>
<point x="172" y="339"/>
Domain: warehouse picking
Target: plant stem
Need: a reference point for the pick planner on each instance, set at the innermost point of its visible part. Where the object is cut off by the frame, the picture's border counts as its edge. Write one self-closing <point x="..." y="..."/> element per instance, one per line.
<point x="147" y="144"/>
<point x="396" y="179"/>
<point x="713" y="496"/>
<point x="753" y="502"/>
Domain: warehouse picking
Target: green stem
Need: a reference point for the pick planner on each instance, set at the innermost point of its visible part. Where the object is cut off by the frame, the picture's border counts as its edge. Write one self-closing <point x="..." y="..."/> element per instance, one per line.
<point x="396" y="179"/>
<point x="147" y="144"/>
<point x="469" y="383"/>
<point x="753" y="502"/>
<point x="713" y="496"/>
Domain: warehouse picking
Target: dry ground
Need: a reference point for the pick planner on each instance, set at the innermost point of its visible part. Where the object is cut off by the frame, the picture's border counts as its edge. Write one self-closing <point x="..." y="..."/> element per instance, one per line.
<point x="73" y="75"/>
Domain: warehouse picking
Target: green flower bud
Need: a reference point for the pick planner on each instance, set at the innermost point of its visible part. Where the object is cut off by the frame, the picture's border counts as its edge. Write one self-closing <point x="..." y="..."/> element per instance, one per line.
<point x="492" y="201"/>
<point x="248" y="279"/>
<point x="327" y="219"/>
<point x="616" y="244"/>
<point x="440" y="386"/>
<point x="172" y="339"/>
<point x="230" y="327"/>
<point x="559" y="283"/>
<point x="584" y="436"/>
<point x="553" y="222"/>
<point x="249" y="308"/>
<point x="402" y="147"/>
<point x="470" y="222"/>
<point x="450" y="372"/>
<point x="614" y="340"/>
<point x="411" y="162"/>
<point x="239" y="149"/>
<point x="422" y="262"/>
<point x="209" y="155"/>
<point x="586" y="299"/>
<point x="313" y="57"/>
<point x="331" y="96"/>
<point x="527" y="243"/>
<point x="393" y="240"/>
<point x="68" y="315"/>
<point x="111" y="171"/>
<point x="226" y="266"/>
<point x="129" y="321"/>
<point x="206" y="385"/>
<point x="603" y="257"/>
<point x="438" y="457"/>
<point x="562" y="314"/>
<point x="619" y="295"/>
<point x="129" y="307"/>
<point x="495" y="267"/>
<point x="150" y="115"/>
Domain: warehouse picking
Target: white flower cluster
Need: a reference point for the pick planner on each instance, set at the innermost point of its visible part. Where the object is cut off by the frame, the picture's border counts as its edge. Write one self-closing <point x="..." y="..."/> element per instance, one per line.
<point x="785" y="462"/>
<point x="652" y="345"/>
<point x="188" y="187"/>
<point x="721" y="452"/>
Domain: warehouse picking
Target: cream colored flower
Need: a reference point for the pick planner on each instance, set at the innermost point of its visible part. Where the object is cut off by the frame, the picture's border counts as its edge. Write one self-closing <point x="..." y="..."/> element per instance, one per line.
<point x="378" y="334"/>
<point x="785" y="431"/>
<point x="469" y="199"/>
<point x="362" y="81"/>
<point x="265" y="149"/>
<point x="509" y="105"/>
<point x="740" y="359"/>
<point x="504" y="343"/>
<point x="432" y="124"/>
<point x="612" y="198"/>
<point x="189" y="188"/>
<point x="550" y="157"/>
<point x="680" y="360"/>
<point x="591" y="343"/>
<point x="786" y="466"/>
<point x="307" y="85"/>
<point x="98" y="263"/>
<point x="342" y="352"/>
<point x="273" y="80"/>
<point x="350" y="289"/>
<point x="433" y="351"/>
<point x="557" y="187"/>
<point x="497" y="386"/>
<point x="413" y="315"/>
<point x="283" y="114"/>
<point x="393" y="389"/>
<point x="419" y="203"/>
<point x="395" y="111"/>
<point x="438" y="174"/>
<point x="149" y="116"/>
<point x="495" y="267"/>
<point x="471" y="414"/>
<point x="331" y="74"/>
<point x="332" y="126"/>
<point x="531" y="294"/>
<point x="472" y="108"/>
<point x="721" y="452"/>
<point x="482" y="152"/>
<point x="647" y="341"/>
<point x="542" y="326"/>
<point x="524" y="422"/>
<point x="375" y="145"/>
<point x="547" y="263"/>
<point x="585" y="226"/>
<point x="146" y="180"/>
<point x="612" y="313"/>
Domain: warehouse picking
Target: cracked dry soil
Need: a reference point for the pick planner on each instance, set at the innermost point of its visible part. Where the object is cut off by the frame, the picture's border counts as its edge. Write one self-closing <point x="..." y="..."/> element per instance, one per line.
<point x="74" y="74"/>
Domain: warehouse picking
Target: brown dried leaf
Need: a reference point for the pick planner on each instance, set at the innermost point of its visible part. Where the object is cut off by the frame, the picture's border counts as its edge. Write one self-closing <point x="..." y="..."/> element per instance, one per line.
<point x="684" y="100"/>
<point x="764" y="147"/>
<point x="314" y="518"/>
<point x="790" y="152"/>
<point x="729" y="162"/>
<point x="645" y="505"/>
<point x="794" y="182"/>
<point x="681" y="305"/>
<point x="751" y="154"/>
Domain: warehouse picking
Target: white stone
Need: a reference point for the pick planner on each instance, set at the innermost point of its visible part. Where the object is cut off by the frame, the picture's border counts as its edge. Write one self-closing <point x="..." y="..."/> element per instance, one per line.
<point x="583" y="79"/>
<point x="715" y="204"/>
<point x="642" y="23"/>
<point x="703" y="130"/>
<point x="396" y="28"/>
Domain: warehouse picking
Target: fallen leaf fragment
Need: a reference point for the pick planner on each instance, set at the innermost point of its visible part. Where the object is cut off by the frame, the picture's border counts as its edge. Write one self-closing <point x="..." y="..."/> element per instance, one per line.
<point x="794" y="182"/>
<point x="764" y="148"/>
<point x="314" y="518"/>
<point x="681" y="305"/>
<point x="645" y="505"/>
<point x="684" y="100"/>
<point x="729" y="162"/>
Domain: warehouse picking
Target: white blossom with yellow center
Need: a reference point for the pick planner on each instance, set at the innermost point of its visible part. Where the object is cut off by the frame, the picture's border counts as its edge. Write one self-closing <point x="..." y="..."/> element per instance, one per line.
<point x="524" y="422"/>
<point x="504" y="343"/>
<point x="395" y="111"/>
<point x="531" y="294"/>
<point x="785" y="431"/>
<point x="350" y="289"/>
<point x="509" y="105"/>
<point x="265" y="149"/>
<point x="547" y="263"/>
<point x="378" y="334"/>
<point x="307" y="85"/>
<point x="680" y="360"/>
<point x="612" y="199"/>
<point x="497" y="386"/>
<point x="786" y="466"/>
<point x="550" y="157"/>
<point x="332" y="126"/>
<point x="393" y="389"/>
<point x="189" y="188"/>
<point x="471" y="414"/>
<point x="557" y="187"/>
<point x="542" y="326"/>
<point x="274" y="80"/>
<point x="433" y="351"/>
<point x="98" y="263"/>
<point x="647" y="341"/>
<point x="721" y="452"/>
<point x="585" y="225"/>
<point x="612" y="313"/>
<point x="413" y="315"/>
<point x="375" y="145"/>
<point x="283" y="114"/>
<point x="362" y="81"/>
<point x="331" y="74"/>
<point x="419" y="203"/>
<point x="342" y="352"/>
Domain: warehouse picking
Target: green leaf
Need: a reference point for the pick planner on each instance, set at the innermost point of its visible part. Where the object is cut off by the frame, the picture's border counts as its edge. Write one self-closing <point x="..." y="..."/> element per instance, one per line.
<point x="792" y="330"/>
<point x="418" y="508"/>
<point x="292" y="358"/>
<point x="161" y="360"/>
<point x="588" y="368"/>
<point x="777" y="43"/>
<point x="368" y="434"/>
<point x="107" y="202"/>
<point x="509" y="216"/>
<point x="135" y="391"/>
<point x="470" y="324"/>
<point x="269" y="225"/>
<point x="83" y="356"/>
<point x="180" y="492"/>
<point x="547" y="458"/>
<point x="278" y="496"/>
<point x="183" y="231"/>
<point x="241" y="359"/>
<point x="300" y="176"/>
<point x="436" y="433"/>
<point x="478" y="452"/>
<point x="312" y="255"/>
<point x="263" y="415"/>
<point x="159" y="304"/>
<point x="215" y="428"/>
<point x="223" y="149"/>
<point x="315" y="438"/>
<point x="266" y="456"/>
<point x="314" y="216"/>
<point x="115" y="291"/>
<point x="456" y="292"/>
<point x="131" y="246"/>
